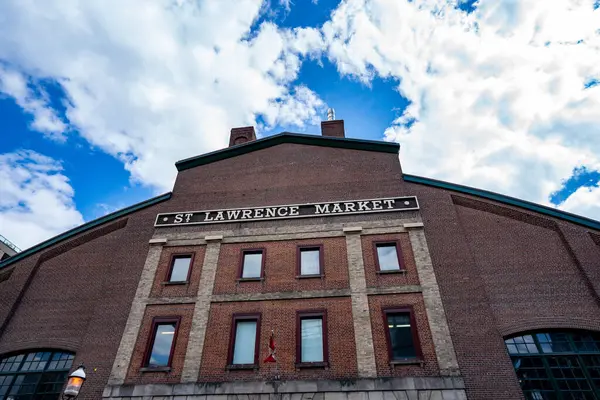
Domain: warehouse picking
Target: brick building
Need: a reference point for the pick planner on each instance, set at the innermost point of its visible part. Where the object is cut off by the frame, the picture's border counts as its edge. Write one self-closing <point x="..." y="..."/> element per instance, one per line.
<point x="373" y="284"/>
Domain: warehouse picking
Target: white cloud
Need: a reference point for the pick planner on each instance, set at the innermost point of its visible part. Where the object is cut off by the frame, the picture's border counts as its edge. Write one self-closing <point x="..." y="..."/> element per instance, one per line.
<point x="498" y="97"/>
<point x="45" y="120"/>
<point x="36" y="199"/>
<point x="584" y="201"/>
<point x="152" y="82"/>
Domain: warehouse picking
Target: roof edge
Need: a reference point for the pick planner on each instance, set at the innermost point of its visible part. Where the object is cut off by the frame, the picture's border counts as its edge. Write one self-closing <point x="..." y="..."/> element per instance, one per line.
<point x="513" y="201"/>
<point x="85" y="227"/>
<point x="287" y="137"/>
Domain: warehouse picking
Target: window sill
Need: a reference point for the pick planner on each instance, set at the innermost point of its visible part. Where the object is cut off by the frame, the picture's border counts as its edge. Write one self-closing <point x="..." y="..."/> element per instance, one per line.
<point x="155" y="369"/>
<point x="250" y="279"/>
<point x="234" y="367"/>
<point x="312" y="365"/>
<point x="408" y="361"/>
<point x="392" y="271"/>
<point x="310" y="276"/>
<point x="175" y="283"/>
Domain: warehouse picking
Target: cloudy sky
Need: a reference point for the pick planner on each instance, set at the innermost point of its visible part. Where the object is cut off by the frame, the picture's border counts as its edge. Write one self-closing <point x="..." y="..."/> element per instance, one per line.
<point x="99" y="98"/>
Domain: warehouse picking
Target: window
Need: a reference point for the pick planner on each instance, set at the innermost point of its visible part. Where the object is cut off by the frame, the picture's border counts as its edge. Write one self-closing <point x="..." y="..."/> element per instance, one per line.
<point x="159" y="353"/>
<point x="37" y="374"/>
<point x="310" y="260"/>
<point x="401" y="333"/>
<point x="387" y="257"/>
<point x="557" y="364"/>
<point x="253" y="262"/>
<point x="311" y="338"/>
<point x="243" y="348"/>
<point x="181" y="267"/>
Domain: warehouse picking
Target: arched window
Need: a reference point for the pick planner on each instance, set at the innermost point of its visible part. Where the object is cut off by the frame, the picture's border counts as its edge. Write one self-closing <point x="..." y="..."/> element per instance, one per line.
<point x="35" y="375"/>
<point x="559" y="365"/>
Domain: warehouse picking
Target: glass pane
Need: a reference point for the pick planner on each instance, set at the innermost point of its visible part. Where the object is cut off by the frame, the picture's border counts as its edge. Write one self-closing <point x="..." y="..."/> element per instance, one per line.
<point x="51" y="382"/>
<point x="310" y="262"/>
<point x="311" y="340"/>
<point x="5" y="383"/>
<point x="252" y="265"/>
<point x="181" y="267"/>
<point x="401" y="336"/>
<point x="554" y="342"/>
<point x="69" y="361"/>
<point x="161" y="348"/>
<point x="25" y="384"/>
<point x="11" y="364"/>
<point x="245" y="342"/>
<point x="388" y="257"/>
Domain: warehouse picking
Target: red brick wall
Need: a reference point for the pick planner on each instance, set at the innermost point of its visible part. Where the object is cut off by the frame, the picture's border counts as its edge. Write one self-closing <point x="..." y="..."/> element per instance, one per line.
<point x="288" y="174"/>
<point x="159" y="289"/>
<point x="280" y="316"/>
<point x="373" y="278"/>
<point x="527" y="264"/>
<point x="186" y="312"/>
<point x="500" y="269"/>
<point x="378" y="326"/>
<point x="281" y="267"/>
<point x="79" y="300"/>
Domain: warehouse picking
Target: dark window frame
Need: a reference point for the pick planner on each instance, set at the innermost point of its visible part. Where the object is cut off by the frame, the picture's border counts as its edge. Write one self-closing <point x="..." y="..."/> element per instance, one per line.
<point x="312" y="314"/>
<point x="175" y="256"/>
<point x="544" y="357"/>
<point x="396" y="244"/>
<point x="413" y="330"/>
<point x="299" y="250"/>
<point x="235" y="318"/>
<point x="156" y="321"/>
<point x="255" y="250"/>
<point x="41" y="372"/>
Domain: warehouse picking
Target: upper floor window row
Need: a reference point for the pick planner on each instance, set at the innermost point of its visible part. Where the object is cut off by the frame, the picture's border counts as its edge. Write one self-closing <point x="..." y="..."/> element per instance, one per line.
<point x="310" y="262"/>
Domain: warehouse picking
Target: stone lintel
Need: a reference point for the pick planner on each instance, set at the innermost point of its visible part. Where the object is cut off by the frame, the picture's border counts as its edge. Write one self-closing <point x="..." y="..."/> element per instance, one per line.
<point x="352" y="229"/>
<point x="213" y="238"/>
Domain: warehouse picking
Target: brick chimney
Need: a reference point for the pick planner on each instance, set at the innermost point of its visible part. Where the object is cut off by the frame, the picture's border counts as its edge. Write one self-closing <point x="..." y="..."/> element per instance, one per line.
<point x="333" y="128"/>
<point x="242" y="135"/>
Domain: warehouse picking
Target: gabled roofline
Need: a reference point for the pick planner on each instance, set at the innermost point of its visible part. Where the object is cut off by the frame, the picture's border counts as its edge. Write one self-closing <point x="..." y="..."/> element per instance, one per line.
<point x="85" y="227"/>
<point x="552" y="212"/>
<point x="287" y="137"/>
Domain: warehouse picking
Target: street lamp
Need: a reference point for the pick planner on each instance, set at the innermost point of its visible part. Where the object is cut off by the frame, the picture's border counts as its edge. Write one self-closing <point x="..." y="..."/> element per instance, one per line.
<point x="76" y="379"/>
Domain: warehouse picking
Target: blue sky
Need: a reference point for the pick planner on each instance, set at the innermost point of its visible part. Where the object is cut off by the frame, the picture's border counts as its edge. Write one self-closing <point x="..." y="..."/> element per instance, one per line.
<point x="95" y="98"/>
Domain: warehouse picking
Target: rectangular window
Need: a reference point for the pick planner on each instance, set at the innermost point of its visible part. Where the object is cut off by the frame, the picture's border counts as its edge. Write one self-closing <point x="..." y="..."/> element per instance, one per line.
<point x="252" y="264"/>
<point x="244" y="340"/>
<point x="312" y="337"/>
<point x="387" y="256"/>
<point x="181" y="265"/>
<point x="310" y="260"/>
<point x="403" y="342"/>
<point x="161" y="343"/>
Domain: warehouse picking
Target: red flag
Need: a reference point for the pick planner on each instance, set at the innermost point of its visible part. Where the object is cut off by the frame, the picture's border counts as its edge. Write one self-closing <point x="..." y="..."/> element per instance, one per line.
<point x="271" y="357"/>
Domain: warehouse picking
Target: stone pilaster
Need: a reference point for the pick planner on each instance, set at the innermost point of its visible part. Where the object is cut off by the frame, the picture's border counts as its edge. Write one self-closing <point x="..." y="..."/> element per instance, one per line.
<point x="365" y="354"/>
<point x="444" y="348"/>
<point x="136" y="314"/>
<point x="193" y="355"/>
